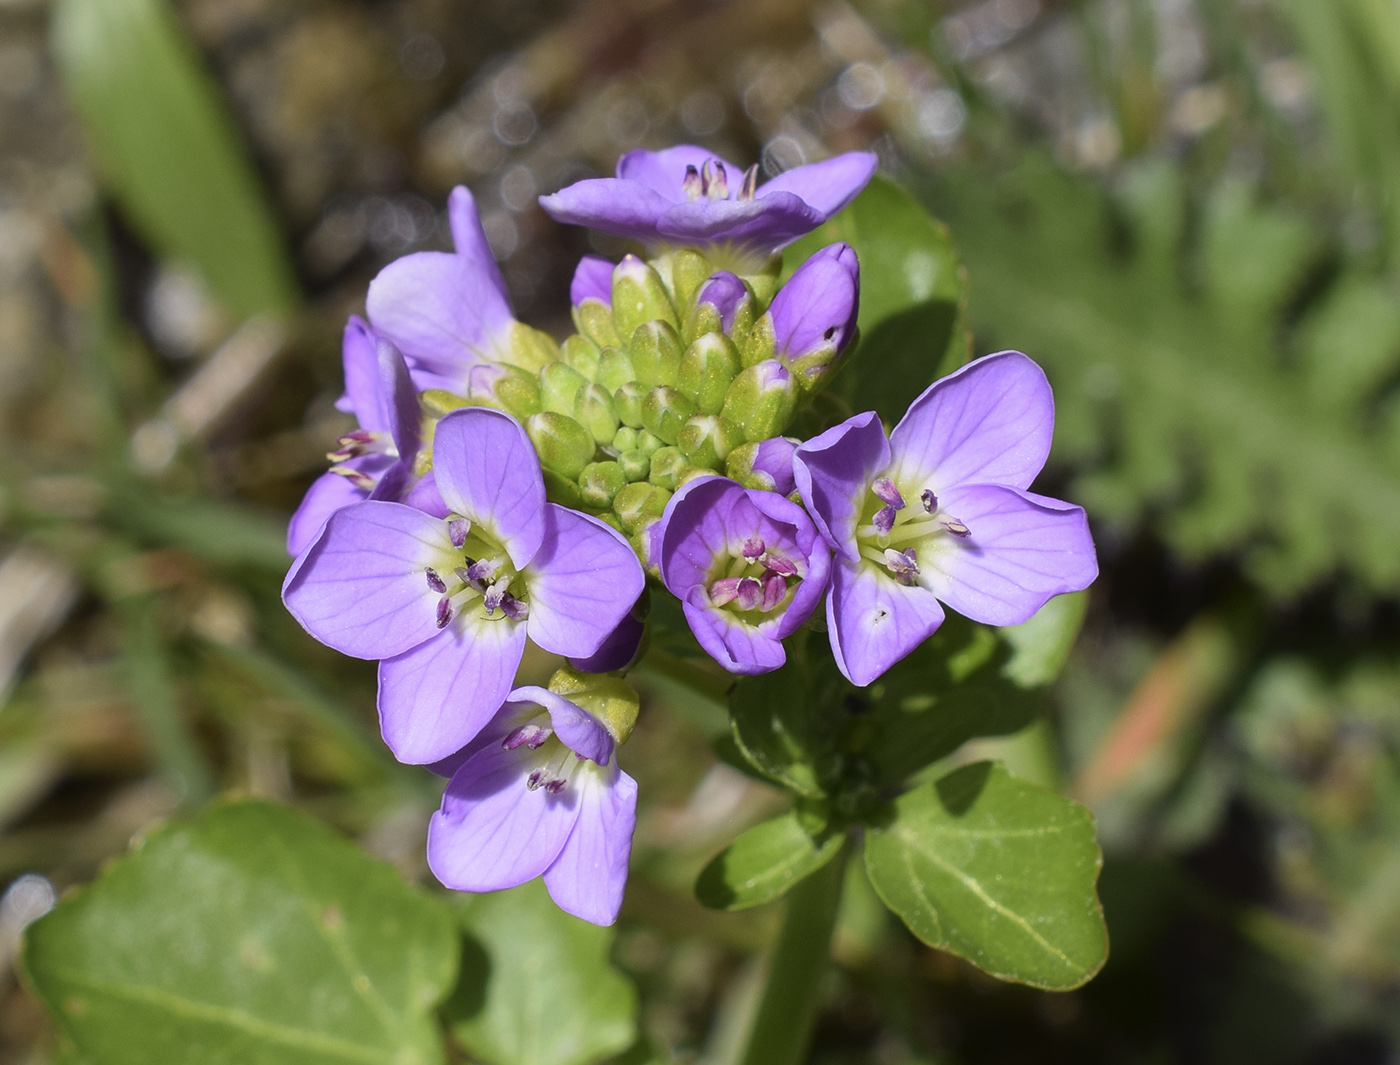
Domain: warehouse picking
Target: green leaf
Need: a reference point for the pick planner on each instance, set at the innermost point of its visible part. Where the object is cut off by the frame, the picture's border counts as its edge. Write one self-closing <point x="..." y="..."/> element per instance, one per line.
<point x="537" y="987"/>
<point x="250" y="936"/>
<point x="997" y="871"/>
<point x="168" y="149"/>
<point x="763" y="863"/>
<point x="913" y="289"/>
<point x="1041" y="646"/>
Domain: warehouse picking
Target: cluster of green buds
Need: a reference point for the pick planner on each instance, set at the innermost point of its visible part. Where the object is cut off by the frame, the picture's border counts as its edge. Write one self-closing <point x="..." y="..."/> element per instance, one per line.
<point x="677" y="370"/>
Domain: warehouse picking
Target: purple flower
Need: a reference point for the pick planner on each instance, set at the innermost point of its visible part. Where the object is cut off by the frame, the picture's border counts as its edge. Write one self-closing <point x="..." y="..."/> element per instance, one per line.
<point x="446" y="603"/>
<point x="446" y="312"/>
<point x="747" y="566"/>
<point x="592" y="281"/>
<point x="689" y="196"/>
<point x="813" y="316"/>
<point x="940" y="512"/>
<point x="376" y="460"/>
<point x="539" y="793"/>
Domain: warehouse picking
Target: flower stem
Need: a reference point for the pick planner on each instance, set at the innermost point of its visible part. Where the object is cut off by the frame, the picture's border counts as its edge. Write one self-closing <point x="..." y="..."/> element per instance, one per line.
<point x="782" y="1024"/>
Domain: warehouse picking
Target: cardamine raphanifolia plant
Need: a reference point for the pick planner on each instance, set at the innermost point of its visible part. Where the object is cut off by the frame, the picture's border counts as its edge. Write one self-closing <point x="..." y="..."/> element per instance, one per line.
<point x="503" y="487"/>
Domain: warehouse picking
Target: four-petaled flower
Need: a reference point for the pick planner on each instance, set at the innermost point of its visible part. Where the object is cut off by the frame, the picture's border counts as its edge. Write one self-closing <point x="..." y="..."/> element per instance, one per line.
<point x="687" y="196"/>
<point x="447" y="603"/>
<point x="939" y="511"/>
<point x="538" y="793"/>
<point x="748" y="567"/>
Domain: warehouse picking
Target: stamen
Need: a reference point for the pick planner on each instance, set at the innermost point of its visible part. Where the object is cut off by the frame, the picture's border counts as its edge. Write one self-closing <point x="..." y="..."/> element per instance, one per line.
<point x="484" y="569"/>
<point x="495" y="595"/>
<point x="714" y="180"/>
<point x="531" y="736"/>
<point x="749" y="184"/>
<point x="555" y="786"/>
<point x="884" y="520"/>
<point x="724" y="591"/>
<point x="435" y="582"/>
<point x="779" y="564"/>
<point x="753" y="548"/>
<point x="888" y="493"/>
<point x="903" y="565"/>
<point x="514" y="609"/>
<point x="457" y="530"/>
<point x="362" y="442"/>
<point x="692" y="184"/>
<point x="774" y="589"/>
<point x="930" y="500"/>
<point x="750" y="595"/>
<point x="444" y="612"/>
<point x="956" y="527"/>
<point x="356" y="477"/>
<point x="536" y="778"/>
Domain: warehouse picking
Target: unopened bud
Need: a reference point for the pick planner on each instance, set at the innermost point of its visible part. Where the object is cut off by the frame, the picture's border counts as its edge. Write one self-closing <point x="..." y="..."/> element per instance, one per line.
<point x="664" y="411"/>
<point x="764" y="280"/>
<point x="666" y="466"/>
<point x="647" y="443"/>
<point x="559" y="387"/>
<point x="761" y="344"/>
<point x="564" y="446"/>
<point x="529" y="348"/>
<point x="592" y="280"/>
<point x="638" y="296"/>
<point x="612" y="700"/>
<point x="438" y="402"/>
<point x="724" y="305"/>
<point x="706" y="440"/>
<point x="689" y="268"/>
<point x="625" y="439"/>
<point x="707" y="369"/>
<point x="656" y="354"/>
<point x="813" y="316"/>
<point x="614" y="369"/>
<point x="582" y="354"/>
<point x="773" y="461"/>
<point x="599" y="484"/>
<point x="514" y="389"/>
<point x="593" y="318"/>
<point x="639" y="504"/>
<point x="627" y="401"/>
<point x="593" y="409"/>
<point x="761" y="400"/>
<point x="635" y="463"/>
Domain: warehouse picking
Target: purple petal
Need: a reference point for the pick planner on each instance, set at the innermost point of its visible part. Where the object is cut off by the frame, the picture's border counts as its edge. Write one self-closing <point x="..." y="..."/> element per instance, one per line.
<point x="814" y="554"/>
<point x="694" y="530"/>
<point x="576" y="728"/>
<point x="664" y="171"/>
<point x="724" y="292"/>
<point x="492" y="831"/>
<point x="436" y="697"/>
<point x="487" y="471"/>
<point x="327" y="494"/>
<point x="590" y="874"/>
<point x="424" y="496"/>
<point x="817" y="307"/>
<point x="873" y="621"/>
<point x="764" y="224"/>
<point x="364" y="393"/>
<point x="619" y="648"/>
<point x="592" y="281"/>
<point x="829" y="185"/>
<point x="833" y="472"/>
<point x="988" y="423"/>
<point x="360" y="588"/>
<point x="774" y="459"/>
<point x="403" y="417"/>
<point x="472" y="246"/>
<point x="444" y="312"/>
<point x="738" y="647"/>
<point x="1023" y="550"/>
<point x="582" y="582"/>
<point x="627" y="208"/>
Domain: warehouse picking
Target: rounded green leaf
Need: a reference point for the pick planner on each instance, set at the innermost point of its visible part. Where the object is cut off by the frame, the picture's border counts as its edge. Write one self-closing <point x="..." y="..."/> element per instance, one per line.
<point x="997" y="871"/>
<point x="250" y="936"/>
<point x="763" y="863"/>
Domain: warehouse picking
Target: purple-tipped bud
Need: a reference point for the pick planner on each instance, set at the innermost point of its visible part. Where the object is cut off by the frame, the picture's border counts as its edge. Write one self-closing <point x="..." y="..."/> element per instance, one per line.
<point x="531" y="736"/>
<point x="774" y="460"/>
<point x="724" y="591"/>
<point x="929" y="500"/>
<point x="592" y="281"/>
<point x="814" y="315"/>
<point x="903" y="565"/>
<point x="753" y="548"/>
<point x="444" y="612"/>
<point x="457" y="530"/>
<point x="774" y="588"/>
<point x="884" y="520"/>
<point x="885" y="489"/>
<point x="724" y="292"/>
<point x="750" y="595"/>
<point x="957" y="528"/>
<point x="435" y="582"/>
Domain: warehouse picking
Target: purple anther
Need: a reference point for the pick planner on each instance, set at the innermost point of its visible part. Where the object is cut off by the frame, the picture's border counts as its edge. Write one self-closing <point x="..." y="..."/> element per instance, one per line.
<point x="753" y="548"/>
<point x="457" y="530"/>
<point x="930" y="500"/>
<point x="774" y="588"/>
<point x="750" y="595"/>
<point x="691" y="184"/>
<point x="355" y="477"/>
<point x="780" y="565"/>
<point x="714" y="180"/>
<point x="957" y="528"/>
<point x="444" y="612"/>
<point x="461" y="572"/>
<point x="749" y="184"/>
<point x="493" y="598"/>
<point x="358" y="436"/>
<point x="483" y="569"/>
<point x="903" y="565"/>
<point x="888" y="493"/>
<point x="725" y="590"/>
<point x="435" y="582"/>
<point x="514" y="609"/>
<point x="535" y="779"/>
<point x="531" y="736"/>
<point x="555" y="786"/>
<point x="884" y="520"/>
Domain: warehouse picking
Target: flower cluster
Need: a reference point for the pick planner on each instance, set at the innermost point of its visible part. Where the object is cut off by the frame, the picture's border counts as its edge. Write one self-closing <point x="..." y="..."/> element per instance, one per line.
<point x="504" y="488"/>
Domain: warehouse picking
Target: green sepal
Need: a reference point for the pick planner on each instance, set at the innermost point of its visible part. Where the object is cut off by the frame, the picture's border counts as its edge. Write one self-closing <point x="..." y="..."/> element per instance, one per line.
<point x="625" y="439"/>
<point x="582" y="354"/>
<point x="761" y="400"/>
<point x="607" y="696"/>
<point x="636" y="466"/>
<point x="656" y="354"/>
<point x="559" y="387"/>
<point x="707" y="369"/>
<point x="761" y="343"/>
<point x="664" y="412"/>
<point x="594" y="410"/>
<point x="648" y="443"/>
<point x="614" y="369"/>
<point x="689" y="270"/>
<point x="593" y="318"/>
<point x="666" y="466"/>
<point x="706" y="440"/>
<point x="563" y="445"/>
<point x="529" y="348"/>
<point x="517" y="391"/>
<point x="599" y="484"/>
<point x="627" y="401"/>
<point x="764" y="281"/>
<point x="638" y="295"/>
<point x="437" y="402"/>
<point x="638" y="505"/>
<point x="562" y="490"/>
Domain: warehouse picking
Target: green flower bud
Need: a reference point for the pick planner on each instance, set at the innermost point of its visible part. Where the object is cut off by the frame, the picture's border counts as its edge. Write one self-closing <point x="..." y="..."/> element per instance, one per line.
<point x="707" y="369"/>
<point x="562" y="490"/>
<point x="689" y="269"/>
<point x="606" y="696"/>
<point x="640" y="504"/>
<point x="760" y="345"/>
<point x="563" y="445"/>
<point x="559" y="387"/>
<point x="614" y="369"/>
<point x="517" y="391"/>
<point x="635" y="463"/>
<point x="627" y="401"/>
<point x="706" y="440"/>
<point x="582" y="354"/>
<point x="656" y="353"/>
<point x="738" y="465"/>
<point x="647" y="443"/>
<point x="664" y="411"/>
<point x="599" y="483"/>
<point x="529" y="348"/>
<point x="761" y="400"/>
<point x="437" y="402"/>
<point x="625" y="439"/>
<point x="638" y="296"/>
<point x="666" y="466"/>
<point x="593" y="409"/>
<point x="593" y="318"/>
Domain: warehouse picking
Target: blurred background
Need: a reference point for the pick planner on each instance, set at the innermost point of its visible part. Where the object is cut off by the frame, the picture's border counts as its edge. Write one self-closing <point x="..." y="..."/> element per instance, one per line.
<point x="1187" y="210"/>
